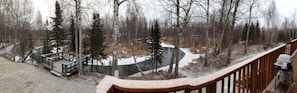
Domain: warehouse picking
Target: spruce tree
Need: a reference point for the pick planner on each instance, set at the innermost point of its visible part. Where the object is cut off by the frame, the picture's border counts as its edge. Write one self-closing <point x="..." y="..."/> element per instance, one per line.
<point x="46" y="47"/>
<point x="243" y="37"/>
<point x="258" y="31"/>
<point x="97" y="39"/>
<point x="58" y="33"/>
<point x="72" y="30"/>
<point x="31" y="43"/>
<point x="155" y="45"/>
<point x="252" y="34"/>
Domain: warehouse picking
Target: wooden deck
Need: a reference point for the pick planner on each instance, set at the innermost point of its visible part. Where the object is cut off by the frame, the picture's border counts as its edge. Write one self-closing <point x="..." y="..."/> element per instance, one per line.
<point x="58" y="65"/>
<point x="294" y="88"/>
<point x="62" y="64"/>
<point x="276" y="87"/>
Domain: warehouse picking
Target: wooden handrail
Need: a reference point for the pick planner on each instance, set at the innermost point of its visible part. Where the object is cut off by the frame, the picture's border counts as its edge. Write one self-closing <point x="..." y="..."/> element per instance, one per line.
<point x="253" y="74"/>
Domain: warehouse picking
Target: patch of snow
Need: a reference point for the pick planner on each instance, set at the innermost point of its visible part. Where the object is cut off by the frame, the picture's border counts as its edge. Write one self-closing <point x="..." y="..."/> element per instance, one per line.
<point x="28" y="59"/>
<point x="60" y="49"/>
<point x="7" y="50"/>
<point x="166" y="45"/>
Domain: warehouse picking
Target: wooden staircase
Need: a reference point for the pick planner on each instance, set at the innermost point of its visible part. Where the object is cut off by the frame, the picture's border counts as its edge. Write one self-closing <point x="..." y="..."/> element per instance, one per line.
<point x="56" y="73"/>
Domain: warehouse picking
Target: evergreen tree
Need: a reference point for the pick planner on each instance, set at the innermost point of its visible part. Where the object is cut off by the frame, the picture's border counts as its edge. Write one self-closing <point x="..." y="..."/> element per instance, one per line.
<point x="155" y="45"/>
<point x="72" y="30"/>
<point x="22" y="49"/>
<point x="46" y="47"/>
<point x="97" y="39"/>
<point x="58" y="33"/>
<point x="281" y="36"/>
<point x="31" y="43"/>
<point x="243" y="37"/>
<point x="263" y="36"/>
<point x="258" y="31"/>
<point x="252" y="34"/>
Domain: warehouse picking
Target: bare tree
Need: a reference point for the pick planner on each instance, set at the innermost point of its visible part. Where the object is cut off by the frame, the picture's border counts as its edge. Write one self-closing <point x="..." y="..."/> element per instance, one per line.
<point x="20" y="13"/>
<point x="224" y="22"/>
<point x="230" y="39"/>
<point x="116" y="4"/>
<point x="206" y="9"/>
<point x="38" y="24"/>
<point x="181" y="10"/>
<point x="270" y="17"/>
<point x="251" y="6"/>
<point x="78" y="36"/>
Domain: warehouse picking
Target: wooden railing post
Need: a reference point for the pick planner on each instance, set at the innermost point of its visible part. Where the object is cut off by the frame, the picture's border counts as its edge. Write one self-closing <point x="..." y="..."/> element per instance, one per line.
<point x="212" y="88"/>
<point x="187" y="91"/>
<point x="254" y="77"/>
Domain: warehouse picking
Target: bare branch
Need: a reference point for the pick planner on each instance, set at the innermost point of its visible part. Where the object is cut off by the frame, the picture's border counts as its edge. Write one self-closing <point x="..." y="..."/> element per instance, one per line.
<point x="122" y="2"/>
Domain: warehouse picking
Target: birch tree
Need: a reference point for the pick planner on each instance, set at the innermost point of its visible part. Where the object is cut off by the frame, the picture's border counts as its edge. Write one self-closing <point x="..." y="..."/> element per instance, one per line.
<point x="116" y="34"/>
<point x="230" y="39"/>
<point x="251" y="6"/>
<point x="206" y="9"/>
<point x="181" y="10"/>
<point x="78" y="35"/>
<point x="224" y="19"/>
<point x="270" y="17"/>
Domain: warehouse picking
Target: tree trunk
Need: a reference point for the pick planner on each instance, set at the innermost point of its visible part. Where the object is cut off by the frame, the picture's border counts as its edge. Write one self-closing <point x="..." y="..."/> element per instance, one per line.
<point x="220" y="37"/>
<point x="133" y="54"/>
<point x="115" y="37"/>
<point x="92" y="64"/>
<point x="169" y="74"/>
<point x="78" y="38"/>
<point x="249" y="27"/>
<point x="206" y="34"/>
<point x="177" y="38"/>
<point x="231" y="32"/>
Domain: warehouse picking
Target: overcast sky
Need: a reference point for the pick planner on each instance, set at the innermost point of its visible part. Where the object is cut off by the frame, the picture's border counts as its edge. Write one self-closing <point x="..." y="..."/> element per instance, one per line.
<point x="286" y="8"/>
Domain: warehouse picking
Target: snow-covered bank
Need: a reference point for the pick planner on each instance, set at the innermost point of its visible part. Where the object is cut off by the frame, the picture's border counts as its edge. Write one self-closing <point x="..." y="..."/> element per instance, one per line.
<point x="188" y="58"/>
<point x="121" y="61"/>
<point x="7" y="50"/>
<point x="126" y="61"/>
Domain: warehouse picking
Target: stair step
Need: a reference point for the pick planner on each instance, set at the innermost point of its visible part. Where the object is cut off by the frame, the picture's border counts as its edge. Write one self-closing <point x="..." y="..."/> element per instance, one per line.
<point x="56" y="73"/>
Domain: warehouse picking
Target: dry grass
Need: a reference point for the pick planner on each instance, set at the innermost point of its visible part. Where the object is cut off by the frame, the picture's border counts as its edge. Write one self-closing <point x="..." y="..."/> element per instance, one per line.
<point x="126" y="51"/>
<point x="167" y="40"/>
<point x="38" y="44"/>
<point x="219" y="62"/>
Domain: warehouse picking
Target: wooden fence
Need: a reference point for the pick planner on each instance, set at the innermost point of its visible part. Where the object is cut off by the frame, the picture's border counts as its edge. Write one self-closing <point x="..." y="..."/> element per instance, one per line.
<point x="250" y="76"/>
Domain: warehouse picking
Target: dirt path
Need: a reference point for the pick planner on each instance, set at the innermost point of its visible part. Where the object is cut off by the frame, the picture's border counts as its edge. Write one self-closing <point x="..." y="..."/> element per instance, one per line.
<point x="25" y="78"/>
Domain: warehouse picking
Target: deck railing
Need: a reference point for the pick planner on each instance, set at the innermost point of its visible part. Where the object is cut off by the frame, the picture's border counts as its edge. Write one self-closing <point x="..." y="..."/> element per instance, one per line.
<point x="250" y="76"/>
<point x="68" y="68"/>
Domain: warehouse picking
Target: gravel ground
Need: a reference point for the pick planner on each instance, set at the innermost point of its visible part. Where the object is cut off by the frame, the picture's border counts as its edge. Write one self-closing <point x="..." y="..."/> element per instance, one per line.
<point x="26" y="78"/>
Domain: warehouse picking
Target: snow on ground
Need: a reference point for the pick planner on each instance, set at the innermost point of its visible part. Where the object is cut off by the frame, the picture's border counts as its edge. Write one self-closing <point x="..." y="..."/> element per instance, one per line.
<point x="188" y="58"/>
<point x="121" y="61"/>
<point x="7" y="50"/>
<point x="54" y="50"/>
<point x="166" y="45"/>
<point x="25" y="78"/>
